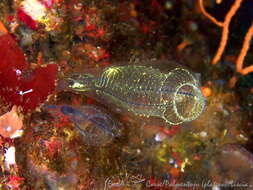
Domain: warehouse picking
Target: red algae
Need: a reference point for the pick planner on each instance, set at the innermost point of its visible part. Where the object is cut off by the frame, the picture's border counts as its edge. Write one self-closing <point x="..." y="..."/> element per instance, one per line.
<point x="40" y="88"/>
<point x="26" y="19"/>
<point x="12" y="56"/>
<point x="16" y="87"/>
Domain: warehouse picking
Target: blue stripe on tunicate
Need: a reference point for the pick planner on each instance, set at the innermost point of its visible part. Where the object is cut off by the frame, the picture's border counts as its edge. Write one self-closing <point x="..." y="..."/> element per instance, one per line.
<point x="50" y="106"/>
<point x="100" y="124"/>
<point x="139" y="104"/>
<point x="67" y="110"/>
<point x="93" y="115"/>
<point x="78" y="116"/>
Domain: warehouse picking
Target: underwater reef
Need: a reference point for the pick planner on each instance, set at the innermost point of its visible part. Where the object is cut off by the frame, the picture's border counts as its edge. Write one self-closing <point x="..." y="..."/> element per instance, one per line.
<point x="126" y="95"/>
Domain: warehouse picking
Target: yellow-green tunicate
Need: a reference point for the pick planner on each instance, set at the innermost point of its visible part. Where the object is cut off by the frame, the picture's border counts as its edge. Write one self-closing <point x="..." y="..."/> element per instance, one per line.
<point x="174" y="96"/>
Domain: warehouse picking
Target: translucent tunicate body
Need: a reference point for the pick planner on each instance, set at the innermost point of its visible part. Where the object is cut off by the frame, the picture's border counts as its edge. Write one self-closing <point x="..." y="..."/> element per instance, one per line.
<point x="232" y="165"/>
<point x="97" y="127"/>
<point x="174" y="96"/>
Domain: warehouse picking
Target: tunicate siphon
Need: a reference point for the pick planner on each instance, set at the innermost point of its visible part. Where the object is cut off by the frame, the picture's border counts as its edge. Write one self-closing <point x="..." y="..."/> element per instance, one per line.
<point x="97" y="127"/>
<point x="145" y="91"/>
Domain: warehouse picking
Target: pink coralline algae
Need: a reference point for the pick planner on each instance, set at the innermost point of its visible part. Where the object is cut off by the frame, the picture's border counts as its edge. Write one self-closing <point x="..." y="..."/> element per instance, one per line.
<point x="10" y="123"/>
<point x="19" y="84"/>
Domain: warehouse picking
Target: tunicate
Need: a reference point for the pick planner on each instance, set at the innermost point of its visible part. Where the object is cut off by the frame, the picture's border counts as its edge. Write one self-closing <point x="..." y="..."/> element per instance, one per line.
<point x="96" y="127"/>
<point x="233" y="165"/>
<point x="145" y="91"/>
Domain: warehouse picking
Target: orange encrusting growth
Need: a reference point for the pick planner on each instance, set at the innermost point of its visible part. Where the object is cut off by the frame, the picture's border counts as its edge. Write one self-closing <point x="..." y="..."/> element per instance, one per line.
<point x="232" y="82"/>
<point x="3" y="30"/>
<point x="225" y="32"/>
<point x="206" y="91"/>
<point x="218" y="1"/>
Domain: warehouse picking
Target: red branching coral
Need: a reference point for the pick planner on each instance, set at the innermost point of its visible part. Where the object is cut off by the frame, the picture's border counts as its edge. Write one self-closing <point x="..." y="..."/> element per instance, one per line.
<point x="20" y="85"/>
